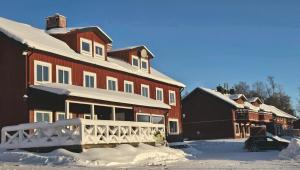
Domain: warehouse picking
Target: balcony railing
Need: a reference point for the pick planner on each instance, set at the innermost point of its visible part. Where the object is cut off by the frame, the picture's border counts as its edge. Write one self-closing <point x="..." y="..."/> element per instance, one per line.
<point x="79" y="132"/>
<point x="265" y="117"/>
<point x="253" y="116"/>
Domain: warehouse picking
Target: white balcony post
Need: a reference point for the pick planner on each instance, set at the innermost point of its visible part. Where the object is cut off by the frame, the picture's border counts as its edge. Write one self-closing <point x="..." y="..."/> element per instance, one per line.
<point x="20" y="136"/>
<point x="3" y="136"/>
<point x="114" y="113"/>
<point x="93" y="111"/>
<point x="67" y="109"/>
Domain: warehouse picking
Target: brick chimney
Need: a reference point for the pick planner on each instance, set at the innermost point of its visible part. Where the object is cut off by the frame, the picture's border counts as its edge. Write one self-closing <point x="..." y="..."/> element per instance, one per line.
<point x="56" y="21"/>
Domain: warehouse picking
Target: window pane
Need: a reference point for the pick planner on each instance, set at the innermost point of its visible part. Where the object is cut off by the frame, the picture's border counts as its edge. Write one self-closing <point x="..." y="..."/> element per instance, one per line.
<point x="158" y="119"/>
<point x="143" y="118"/>
<point x="86" y="46"/>
<point x="173" y="126"/>
<point x="145" y="91"/>
<point x="61" y="116"/>
<point x="135" y="62"/>
<point x="92" y="81"/>
<point x="144" y="64"/>
<point x="46" y="117"/>
<point x="128" y="88"/>
<point x="99" y="50"/>
<point x="60" y="76"/>
<point x="66" y="77"/>
<point x="87" y="81"/>
<point x="45" y="73"/>
<point x="39" y="117"/>
<point x="39" y="72"/>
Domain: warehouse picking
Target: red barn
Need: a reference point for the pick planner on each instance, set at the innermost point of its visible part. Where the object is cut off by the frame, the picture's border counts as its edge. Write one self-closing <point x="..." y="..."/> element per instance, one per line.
<point x="66" y="73"/>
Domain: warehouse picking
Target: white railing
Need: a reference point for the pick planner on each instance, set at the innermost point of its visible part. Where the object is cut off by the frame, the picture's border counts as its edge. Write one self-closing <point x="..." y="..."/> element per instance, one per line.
<point x="79" y="132"/>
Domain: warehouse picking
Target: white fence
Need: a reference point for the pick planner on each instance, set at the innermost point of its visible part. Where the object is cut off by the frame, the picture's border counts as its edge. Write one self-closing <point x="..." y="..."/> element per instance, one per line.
<point x="79" y="132"/>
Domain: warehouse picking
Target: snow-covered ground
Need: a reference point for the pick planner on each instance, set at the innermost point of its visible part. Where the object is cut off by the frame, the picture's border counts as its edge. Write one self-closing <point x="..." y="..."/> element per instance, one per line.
<point x="204" y="154"/>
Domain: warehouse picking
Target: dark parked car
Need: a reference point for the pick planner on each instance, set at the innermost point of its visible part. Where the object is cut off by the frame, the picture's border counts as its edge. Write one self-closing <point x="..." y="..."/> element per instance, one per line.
<point x="258" y="143"/>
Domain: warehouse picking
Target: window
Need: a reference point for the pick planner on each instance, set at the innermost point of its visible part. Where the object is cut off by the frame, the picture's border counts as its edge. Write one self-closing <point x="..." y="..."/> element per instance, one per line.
<point x="60" y="116"/>
<point x="112" y="83"/>
<point x="63" y="75"/>
<point x="135" y="61"/>
<point x="128" y="87"/>
<point x="144" y="64"/>
<point x="159" y="94"/>
<point x="142" y="117"/>
<point x="89" y="79"/>
<point x="145" y="90"/>
<point x="158" y="119"/>
<point x="98" y="49"/>
<point x="42" y="73"/>
<point x="172" y="98"/>
<point x="237" y="129"/>
<point x="173" y="126"/>
<point x="42" y="116"/>
<point x="85" y="46"/>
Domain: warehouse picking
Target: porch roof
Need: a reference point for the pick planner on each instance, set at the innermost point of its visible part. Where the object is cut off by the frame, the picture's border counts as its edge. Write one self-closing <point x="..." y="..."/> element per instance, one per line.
<point x="100" y="94"/>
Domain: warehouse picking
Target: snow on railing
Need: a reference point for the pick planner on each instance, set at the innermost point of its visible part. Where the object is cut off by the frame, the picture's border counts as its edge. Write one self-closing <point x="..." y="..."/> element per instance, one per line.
<point x="79" y="132"/>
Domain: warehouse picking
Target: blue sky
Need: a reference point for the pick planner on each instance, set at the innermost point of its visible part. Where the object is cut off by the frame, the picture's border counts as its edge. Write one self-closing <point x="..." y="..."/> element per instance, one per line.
<point x="201" y="43"/>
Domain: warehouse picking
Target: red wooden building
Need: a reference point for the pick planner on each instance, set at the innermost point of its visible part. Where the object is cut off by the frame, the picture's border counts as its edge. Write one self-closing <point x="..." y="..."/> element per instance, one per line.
<point x="66" y="73"/>
<point x="209" y="114"/>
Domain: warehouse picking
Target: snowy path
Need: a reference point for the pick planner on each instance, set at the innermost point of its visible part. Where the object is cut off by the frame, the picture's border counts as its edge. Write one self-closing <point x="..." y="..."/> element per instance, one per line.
<point x="211" y="154"/>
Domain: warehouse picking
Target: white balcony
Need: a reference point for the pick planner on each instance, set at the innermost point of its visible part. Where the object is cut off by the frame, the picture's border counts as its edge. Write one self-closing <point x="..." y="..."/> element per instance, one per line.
<point x="80" y="132"/>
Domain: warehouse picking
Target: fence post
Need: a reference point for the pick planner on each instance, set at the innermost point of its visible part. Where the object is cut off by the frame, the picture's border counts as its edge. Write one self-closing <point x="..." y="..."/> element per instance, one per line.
<point x="20" y="136"/>
<point x="81" y="132"/>
<point x="3" y="136"/>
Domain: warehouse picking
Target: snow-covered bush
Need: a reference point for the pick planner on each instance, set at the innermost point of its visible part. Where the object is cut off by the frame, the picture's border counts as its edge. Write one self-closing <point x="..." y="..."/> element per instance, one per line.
<point x="292" y="151"/>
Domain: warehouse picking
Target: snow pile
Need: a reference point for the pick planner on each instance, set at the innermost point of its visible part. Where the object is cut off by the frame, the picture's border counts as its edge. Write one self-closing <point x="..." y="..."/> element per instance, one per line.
<point x="292" y="151"/>
<point x="121" y="155"/>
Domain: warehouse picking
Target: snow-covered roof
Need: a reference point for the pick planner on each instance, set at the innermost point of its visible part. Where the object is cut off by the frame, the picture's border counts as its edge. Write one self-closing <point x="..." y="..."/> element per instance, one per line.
<point x="276" y="111"/>
<point x="39" y="39"/>
<point x="251" y="106"/>
<point x="100" y="94"/>
<point x="132" y="47"/>
<point x="69" y="29"/>
<point x="237" y="96"/>
<point x="222" y="96"/>
<point x="254" y="99"/>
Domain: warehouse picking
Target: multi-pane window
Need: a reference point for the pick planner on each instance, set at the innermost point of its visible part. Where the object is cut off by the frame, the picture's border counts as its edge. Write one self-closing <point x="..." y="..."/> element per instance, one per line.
<point x="142" y="117"/>
<point x="89" y="79"/>
<point x="112" y="83"/>
<point x="159" y="94"/>
<point x="63" y="75"/>
<point x="172" y="97"/>
<point x="85" y="46"/>
<point x="99" y="49"/>
<point x="158" y="119"/>
<point x="145" y="90"/>
<point x="144" y="64"/>
<point x="42" y="116"/>
<point x="128" y="86"/>
<point x="135" y="61"/>
<point x="173" y="126"/>
<point x="60" y="116"/>
<point x="42" y="72"/>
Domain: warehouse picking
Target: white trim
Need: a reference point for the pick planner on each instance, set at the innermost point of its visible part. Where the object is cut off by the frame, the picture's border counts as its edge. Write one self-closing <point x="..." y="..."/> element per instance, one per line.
<point x="143" y="114"/>
<point x="146" y="86"/>
<point x="44" y="64"/>
<point x="96" y="104"/>
<point x="60" y="113"/>
<point x="89" y="53"/>
<point x="128" y="82"/>
<point x="169" y="128"/>
<point x="172" y="92"/>
<point x="59" y="67"/>
<point x="135" y="57"/>
<point x="108" y="78"/>
<point x="86" y="73"/>
<point x="85" y="116"/>
<point x="162" y="93"/>
<point x="147" y="63"/>
<point x="43" y="111"/>
<point x="96" y="44"/>
<point x="239" y="129"/>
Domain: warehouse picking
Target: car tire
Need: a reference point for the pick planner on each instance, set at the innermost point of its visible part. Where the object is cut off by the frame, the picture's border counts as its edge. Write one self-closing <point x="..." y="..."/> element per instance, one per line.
<point x="254" y="148"/>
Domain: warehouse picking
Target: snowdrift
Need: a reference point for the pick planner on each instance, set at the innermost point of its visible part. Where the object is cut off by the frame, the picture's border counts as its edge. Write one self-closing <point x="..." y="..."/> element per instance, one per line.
<point x="292" y="151"/>
<point x="121" y="155"/>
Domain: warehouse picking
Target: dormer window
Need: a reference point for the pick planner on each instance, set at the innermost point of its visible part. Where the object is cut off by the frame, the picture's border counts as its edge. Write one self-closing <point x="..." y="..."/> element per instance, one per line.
<point x="144" y="64"/>
<point x="99" y="50"/>
<point x="85" y="46"/>
<point x="135" y="61"/>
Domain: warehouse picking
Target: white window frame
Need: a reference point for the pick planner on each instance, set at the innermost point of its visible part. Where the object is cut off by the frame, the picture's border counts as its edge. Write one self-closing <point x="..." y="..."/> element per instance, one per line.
<point x="143" y="114"/>
<point x="147" y="86"/>
<point x="87" y="115"/>
<point x="44" y="64"/>
<point x="162" y="93"/>
<point x="89" y="53"/>
<point x="239" y="129"/>
<point x="43" y="111"/>
<point x="169" y="127"/>
<point x="156" y="115"/>
<point x="135" y="57"/>
<point x="128" y="82"/>
<point x="145" y="60"/>
<point x="172" y="92"/>
<point x="59" y="67"/>
<point x="96" y="44"/>
<point x="108" y="78"/>
<point x="60" y="113"/>
<point x="86" y="73"/>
